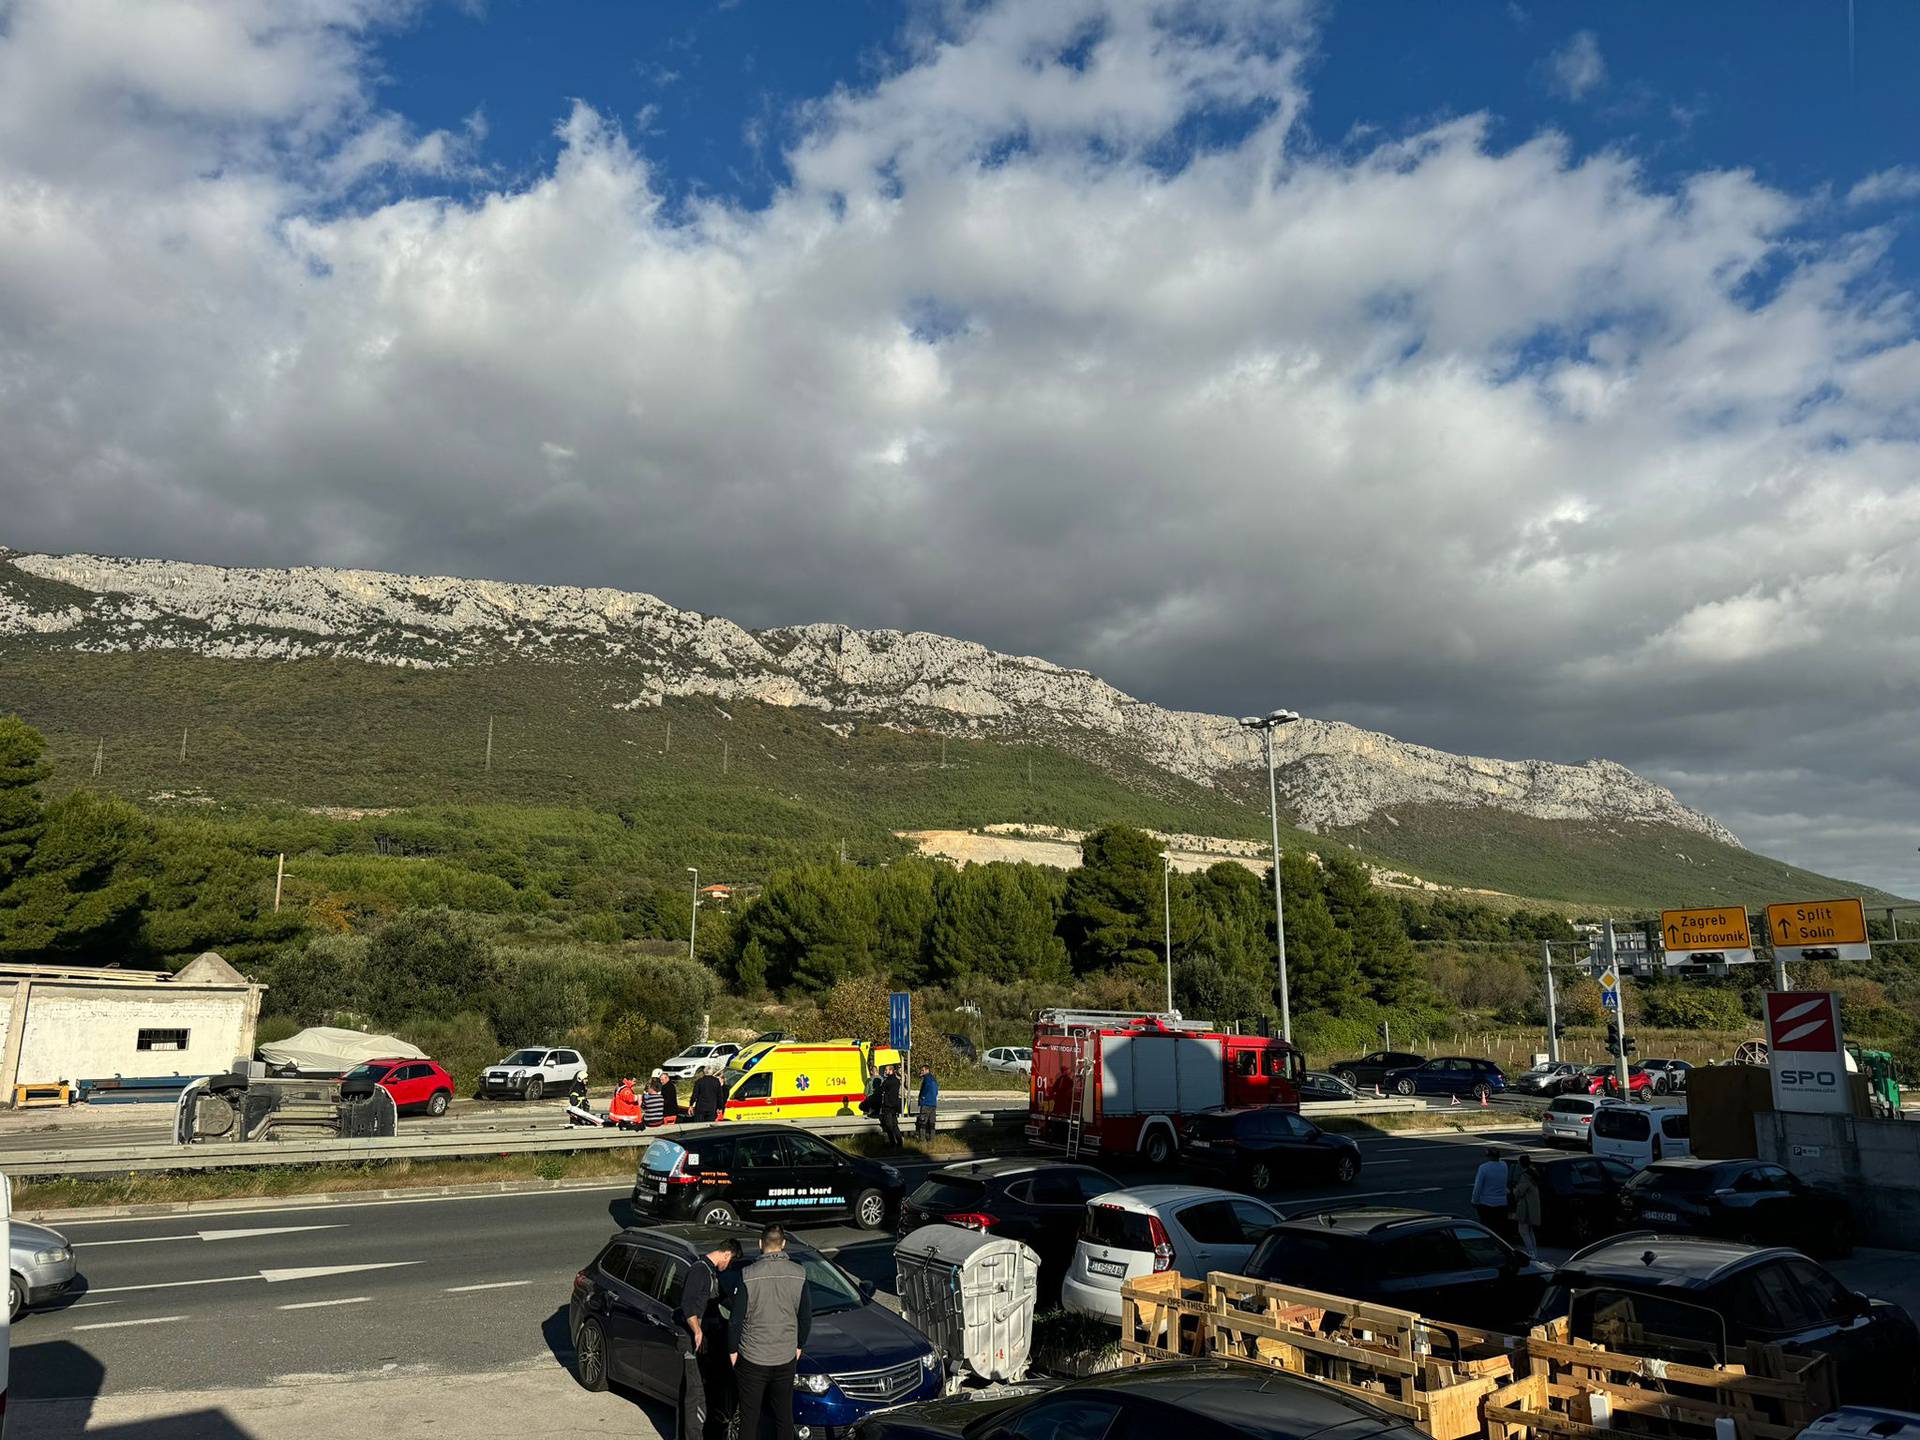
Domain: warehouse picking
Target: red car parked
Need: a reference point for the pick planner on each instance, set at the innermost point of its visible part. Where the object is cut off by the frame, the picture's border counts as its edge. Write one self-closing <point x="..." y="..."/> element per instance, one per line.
<point x="1607" y="1082"/>
<point x="414" y="1084"/>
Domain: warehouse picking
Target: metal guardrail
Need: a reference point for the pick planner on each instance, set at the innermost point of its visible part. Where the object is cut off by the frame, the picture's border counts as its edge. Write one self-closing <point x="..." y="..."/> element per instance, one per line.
<point x="133" y="1158"/>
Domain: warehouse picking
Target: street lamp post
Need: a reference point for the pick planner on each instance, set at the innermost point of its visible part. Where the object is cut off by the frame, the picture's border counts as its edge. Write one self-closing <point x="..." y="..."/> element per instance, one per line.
<point x="1267" y="724"/>
<point x="1166" y="914"/>
<point x="693" y="925"/>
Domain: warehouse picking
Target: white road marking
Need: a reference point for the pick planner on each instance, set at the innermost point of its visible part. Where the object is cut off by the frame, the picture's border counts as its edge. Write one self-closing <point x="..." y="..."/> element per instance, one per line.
<point x="172" y="1284"/>
<point x="1342" y="1197"/>
<point x="337" y="1205"/>
<point x="322" y="1304"/>
<point x="317" y="1272"/>
<point x="122" y="1324"/>
<point x="83" y="1304"/>
<point x="216" y="1235"/>
<point x="496" y="1285"/>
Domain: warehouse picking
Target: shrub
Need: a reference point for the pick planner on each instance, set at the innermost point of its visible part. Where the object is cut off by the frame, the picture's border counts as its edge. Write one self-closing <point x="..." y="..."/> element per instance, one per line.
<point x="464" y="1043"/>
<point x="1687" y="1007"/>
<point x="428" y="962"/>
<point x="629" y="1047"/>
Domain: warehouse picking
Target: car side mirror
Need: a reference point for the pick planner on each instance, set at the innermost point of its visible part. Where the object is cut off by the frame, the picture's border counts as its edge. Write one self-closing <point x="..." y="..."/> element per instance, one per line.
<point x="866" y="1289"/>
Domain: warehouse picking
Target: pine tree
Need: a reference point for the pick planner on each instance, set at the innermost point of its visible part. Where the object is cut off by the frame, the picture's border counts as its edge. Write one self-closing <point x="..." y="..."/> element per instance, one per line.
<point x="1111" y="913"/>
<point x="21" y="771"/>
<point x="1375" y="931"/>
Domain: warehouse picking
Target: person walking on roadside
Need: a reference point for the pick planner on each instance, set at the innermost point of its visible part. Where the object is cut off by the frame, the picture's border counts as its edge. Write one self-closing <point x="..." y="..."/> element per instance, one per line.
<point x="653" y="1105"/>
<point x="708" y="1096"/>
<point x="1525" y="1194"/>
<point x="1490" y="1192"/>
<point x="929" y="1103"/>
<point x="701" y="1373"/>
<point x="769" y="1336"/>
<point x="887" y="1101"/>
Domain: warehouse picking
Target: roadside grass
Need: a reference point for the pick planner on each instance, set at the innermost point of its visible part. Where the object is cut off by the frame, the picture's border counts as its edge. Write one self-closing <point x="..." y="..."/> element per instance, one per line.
<point x="1467" y="1117"/>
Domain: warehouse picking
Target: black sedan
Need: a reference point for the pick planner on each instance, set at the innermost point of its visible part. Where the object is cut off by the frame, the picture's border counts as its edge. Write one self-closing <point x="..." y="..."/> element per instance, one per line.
<point x="1266" y="1146"/>
<point x="1371" y="1070"/>
<point x="1580" y="1197"/>
<point x="1219" y="1398"/>
<point x="1040" y="1203"/>
<point x="1748" y="1200"/>
<point x="1319" y="1085"/>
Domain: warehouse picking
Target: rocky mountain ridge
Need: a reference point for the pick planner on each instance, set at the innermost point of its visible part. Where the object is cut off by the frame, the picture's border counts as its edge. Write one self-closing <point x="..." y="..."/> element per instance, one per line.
<point x="1332" y="774"/>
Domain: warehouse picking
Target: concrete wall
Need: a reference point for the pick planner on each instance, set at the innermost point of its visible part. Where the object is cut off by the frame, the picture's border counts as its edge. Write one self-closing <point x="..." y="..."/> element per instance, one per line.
<point x="1875" y="1162"/>
<point x="76" y="1030"/>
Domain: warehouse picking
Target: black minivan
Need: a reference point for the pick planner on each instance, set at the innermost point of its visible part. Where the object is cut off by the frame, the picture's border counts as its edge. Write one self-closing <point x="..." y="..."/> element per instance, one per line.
<point x="727" y="1174"/>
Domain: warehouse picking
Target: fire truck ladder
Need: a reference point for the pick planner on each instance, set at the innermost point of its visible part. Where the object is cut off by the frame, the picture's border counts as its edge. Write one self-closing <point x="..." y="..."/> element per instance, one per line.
<point x="1078" y="1096"/>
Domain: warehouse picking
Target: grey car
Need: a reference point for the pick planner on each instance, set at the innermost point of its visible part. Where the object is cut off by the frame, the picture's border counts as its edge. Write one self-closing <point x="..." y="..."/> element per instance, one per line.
<point x="41" y="1266"/>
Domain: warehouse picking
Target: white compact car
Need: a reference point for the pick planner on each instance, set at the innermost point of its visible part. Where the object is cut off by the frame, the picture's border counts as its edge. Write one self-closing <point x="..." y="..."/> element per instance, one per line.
<point x="695" y="1058"/>
<point x="1569" y="1120"/>
<point x="1011" y="1059"/>
<point x="1130" y="1233"/>
<point x="533" y="1072"/>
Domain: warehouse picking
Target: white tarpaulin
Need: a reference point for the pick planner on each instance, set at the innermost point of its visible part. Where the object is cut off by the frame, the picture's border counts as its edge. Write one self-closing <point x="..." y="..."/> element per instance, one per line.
<point x="323" y="1050"/>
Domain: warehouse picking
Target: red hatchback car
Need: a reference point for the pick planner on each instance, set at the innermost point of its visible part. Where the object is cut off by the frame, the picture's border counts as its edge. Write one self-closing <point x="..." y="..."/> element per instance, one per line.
<point x="414" y="1084"/>
<point x="1606" y="1083"/>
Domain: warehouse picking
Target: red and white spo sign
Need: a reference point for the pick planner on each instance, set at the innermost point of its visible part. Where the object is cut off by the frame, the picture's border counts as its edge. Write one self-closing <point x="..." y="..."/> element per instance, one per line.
<point x="1806" y="1051"/>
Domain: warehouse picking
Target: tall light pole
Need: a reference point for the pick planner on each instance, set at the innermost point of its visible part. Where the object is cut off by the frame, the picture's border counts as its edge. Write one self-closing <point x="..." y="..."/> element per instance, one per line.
<point x="693" y="925"/>
<point x="1267" y="724"/>
<point x="1166" y="913"/>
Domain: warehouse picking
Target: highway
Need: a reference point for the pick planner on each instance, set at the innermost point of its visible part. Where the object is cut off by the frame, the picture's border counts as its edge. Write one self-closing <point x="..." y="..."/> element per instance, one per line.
<point x="251" y="1296"/>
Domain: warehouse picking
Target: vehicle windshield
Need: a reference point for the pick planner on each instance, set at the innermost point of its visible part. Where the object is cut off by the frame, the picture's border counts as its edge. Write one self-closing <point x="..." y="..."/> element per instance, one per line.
<point x="1117" y="1229"/>
<point x="948" y="1192"/>
<point x="696" y="1052"/>
<point x="525" y="1057"/>
<point x="662" y="1156"/>
<point x="375" y="1073"/>
<point x="1681" y="1180"/>
<point x="828" y="1286"/>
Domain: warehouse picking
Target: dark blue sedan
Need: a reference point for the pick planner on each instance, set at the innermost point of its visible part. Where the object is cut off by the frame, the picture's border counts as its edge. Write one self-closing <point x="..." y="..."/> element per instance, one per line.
<point x="859" y="1356"/>
<point x="1449" y="1075"/>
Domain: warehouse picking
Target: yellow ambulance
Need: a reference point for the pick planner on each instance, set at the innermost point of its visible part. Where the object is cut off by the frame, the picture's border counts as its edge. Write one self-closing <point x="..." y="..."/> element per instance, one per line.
<point x="798" y="1079"/>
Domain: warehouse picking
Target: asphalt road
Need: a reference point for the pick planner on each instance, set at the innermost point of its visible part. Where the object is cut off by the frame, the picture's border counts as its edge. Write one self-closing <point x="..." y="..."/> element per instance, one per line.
<point x="438" y="1284"/>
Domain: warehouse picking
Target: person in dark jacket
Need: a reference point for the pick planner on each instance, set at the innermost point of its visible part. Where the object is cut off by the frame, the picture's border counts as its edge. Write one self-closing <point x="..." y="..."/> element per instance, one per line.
<point x="669" y="1096"/>
<point x="886" y="1100"/>
<point x="703" y="1368"/>
<point x="769" y="1335"/>
<point x="929" y="1103"/>
<point x="709" y="1096"/>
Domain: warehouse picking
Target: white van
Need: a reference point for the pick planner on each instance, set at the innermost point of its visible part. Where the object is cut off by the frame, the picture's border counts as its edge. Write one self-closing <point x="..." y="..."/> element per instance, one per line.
<point x="1641" y="1134"/>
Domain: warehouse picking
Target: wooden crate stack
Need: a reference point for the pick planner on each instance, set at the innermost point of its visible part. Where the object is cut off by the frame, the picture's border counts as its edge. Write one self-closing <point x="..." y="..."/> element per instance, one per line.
<point x="1162" y="1317"/>
<point x="1769" y="1395"/>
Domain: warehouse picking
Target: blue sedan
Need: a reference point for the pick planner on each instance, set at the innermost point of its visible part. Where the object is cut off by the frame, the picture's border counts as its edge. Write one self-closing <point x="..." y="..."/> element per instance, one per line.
<point x="1449" y="1075"/>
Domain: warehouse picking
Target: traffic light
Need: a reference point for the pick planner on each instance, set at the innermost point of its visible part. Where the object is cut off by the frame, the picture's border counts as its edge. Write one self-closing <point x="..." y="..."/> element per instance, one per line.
<point x="1613" y="1045"/>
<point x="1559" y="1029"/>
<point x="1631" y="1047"/>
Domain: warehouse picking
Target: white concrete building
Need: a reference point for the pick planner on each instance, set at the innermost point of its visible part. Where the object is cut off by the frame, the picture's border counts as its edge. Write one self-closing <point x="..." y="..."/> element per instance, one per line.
<point x="77" y="1024"/>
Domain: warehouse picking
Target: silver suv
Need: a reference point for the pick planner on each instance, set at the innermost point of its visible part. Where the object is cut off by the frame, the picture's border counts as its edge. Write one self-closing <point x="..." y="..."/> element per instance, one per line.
<point x="532" y="1072"/>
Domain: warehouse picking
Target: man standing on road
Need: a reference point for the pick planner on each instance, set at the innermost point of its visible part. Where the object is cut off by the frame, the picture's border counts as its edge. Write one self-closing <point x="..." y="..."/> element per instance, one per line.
<point x="699" y="1307"/>
<point x="770" y="1332"/>
<point x="887" y="1101"/>
<point x="1526" y="1203"/>
<point x="1490" y="1192"/>
<point x="708" y="1096"/>
<point x="929" y="1102"/>
<point x="669" y="1095"/>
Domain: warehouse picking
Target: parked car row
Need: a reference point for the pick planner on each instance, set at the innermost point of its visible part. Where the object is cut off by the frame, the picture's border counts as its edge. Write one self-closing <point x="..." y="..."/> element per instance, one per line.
<point x="1562" y="1077"/>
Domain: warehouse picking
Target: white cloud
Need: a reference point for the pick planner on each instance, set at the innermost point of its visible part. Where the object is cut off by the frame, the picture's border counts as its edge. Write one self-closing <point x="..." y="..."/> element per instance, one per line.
<point x="1494" y="447"/>
<point x="1577" y="68"/>
<point x="1884" y="187"/>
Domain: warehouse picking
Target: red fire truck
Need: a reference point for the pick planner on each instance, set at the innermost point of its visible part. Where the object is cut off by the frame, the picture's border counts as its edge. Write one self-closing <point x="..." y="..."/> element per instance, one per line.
<point x="1118" y="1083"/>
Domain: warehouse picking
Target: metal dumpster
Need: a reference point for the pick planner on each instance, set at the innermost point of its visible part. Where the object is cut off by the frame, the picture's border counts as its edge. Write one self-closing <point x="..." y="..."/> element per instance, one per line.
<point x="972" y="1294"/>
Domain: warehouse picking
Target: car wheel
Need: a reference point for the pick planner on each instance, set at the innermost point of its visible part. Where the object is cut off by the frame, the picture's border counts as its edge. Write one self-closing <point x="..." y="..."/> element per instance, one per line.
<point x="437" y="1106"/>
<point x="16" y="1298"/>
<point x="718" y="1212"/>
<point x="536" y="1087"/>
<point x="870" y="1210"/>
<point x="1482" y="1093"/>
<point x="1260" y="1177"/>
<point x="1346" y="1169"/>
<point x="1159" y="1148"/>
<point x="1348" y="1076"/>
<point x="590" y="1355"/>
<point x="1403" y="1087"/>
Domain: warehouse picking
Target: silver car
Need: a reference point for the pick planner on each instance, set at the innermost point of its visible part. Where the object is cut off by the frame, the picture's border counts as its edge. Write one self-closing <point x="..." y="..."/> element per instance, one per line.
<point x="42" y="1267"/>
<point x="1010" y="1059"/>
<point x="1570" y="1118"/>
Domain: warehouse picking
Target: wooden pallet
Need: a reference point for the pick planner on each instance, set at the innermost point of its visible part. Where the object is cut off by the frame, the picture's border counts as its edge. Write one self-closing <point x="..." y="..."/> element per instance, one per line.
<point x="33" y="1097"/>
<point x="1162" y="1317"/>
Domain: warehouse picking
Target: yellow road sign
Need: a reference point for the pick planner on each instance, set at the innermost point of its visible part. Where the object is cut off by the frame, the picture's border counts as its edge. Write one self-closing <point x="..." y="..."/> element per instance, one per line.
<point x="1722" y="927"/>
<point x="1608" y="979"/>
<point x="1817" y="923"/>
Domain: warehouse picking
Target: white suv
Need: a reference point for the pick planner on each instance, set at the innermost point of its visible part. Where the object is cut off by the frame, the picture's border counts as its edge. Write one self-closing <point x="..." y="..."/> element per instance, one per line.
<point x="1130" y="1233"/>
<point x="531" y="1073"/>
<point x="695" y="1058"/>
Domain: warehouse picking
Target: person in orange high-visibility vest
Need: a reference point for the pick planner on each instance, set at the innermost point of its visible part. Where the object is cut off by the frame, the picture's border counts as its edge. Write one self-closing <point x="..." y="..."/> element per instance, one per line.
<point x="625" y="1108"/>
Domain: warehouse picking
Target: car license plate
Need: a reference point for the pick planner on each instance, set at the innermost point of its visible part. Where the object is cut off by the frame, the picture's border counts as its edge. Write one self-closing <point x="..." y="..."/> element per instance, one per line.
<point x="1200" y="1145"/>
<point x="662" y="1187"/>
<point x="1107" y="1267"/>
<point x="1666" y="1215"/>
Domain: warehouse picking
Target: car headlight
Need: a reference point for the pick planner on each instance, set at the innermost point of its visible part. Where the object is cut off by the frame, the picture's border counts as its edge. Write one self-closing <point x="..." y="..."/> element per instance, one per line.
<point x="53" y="1257"/>
<point x="892" y="1175"/>
<point x="817" y="1384"/>
<point x="930" y="1360"/>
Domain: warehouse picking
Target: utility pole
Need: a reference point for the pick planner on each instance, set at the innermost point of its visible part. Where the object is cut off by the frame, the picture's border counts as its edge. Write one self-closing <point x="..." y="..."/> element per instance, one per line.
<point x="1619" y="1017"/>
<point x="1553" y="1017"/>
<point x="669" y="749"/>
<point x="1269" y="723"/>
<point x="723" y="757"/>
<point x="183" y="744"/>
<point x="1780" y="981"/>
<point x="99" y="755"/>
<point x="279" y="879"/>
<point x="489" y="744"/>
<point x="943" y="752"/>
<point x="693" y="921"/>
<point x="1166" y="910"/>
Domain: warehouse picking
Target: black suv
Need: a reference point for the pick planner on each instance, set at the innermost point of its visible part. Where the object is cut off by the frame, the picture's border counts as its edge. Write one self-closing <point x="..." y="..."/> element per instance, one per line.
<point x="1372" y="1069"/>
<point x="1690" y="1300"/>
<point x="1040" y="1203"/>
<point x="1219" y="1398"/>
<point x="1748" y="1200"/>
<point x="1263" y="1146"/>
<point x="724" y="1174"/>
<point x="1438" y="1266"/>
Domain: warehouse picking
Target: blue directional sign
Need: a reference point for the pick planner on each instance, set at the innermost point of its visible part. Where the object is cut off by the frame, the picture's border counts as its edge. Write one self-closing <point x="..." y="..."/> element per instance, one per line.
<point x="900" y="1020"/>
<point x="1610" y="999"/>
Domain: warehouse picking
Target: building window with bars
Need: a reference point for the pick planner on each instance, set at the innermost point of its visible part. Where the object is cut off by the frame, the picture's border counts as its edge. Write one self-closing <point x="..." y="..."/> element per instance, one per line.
<point x="162" y="1040"/>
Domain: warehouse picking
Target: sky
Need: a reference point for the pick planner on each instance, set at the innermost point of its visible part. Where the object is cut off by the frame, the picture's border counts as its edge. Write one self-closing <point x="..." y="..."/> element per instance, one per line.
<point x="1524" y="379"/>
